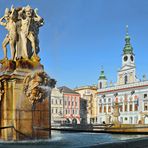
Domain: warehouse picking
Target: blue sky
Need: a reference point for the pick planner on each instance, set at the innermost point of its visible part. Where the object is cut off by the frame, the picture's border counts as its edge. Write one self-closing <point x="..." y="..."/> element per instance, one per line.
<point x="81" y="35"/>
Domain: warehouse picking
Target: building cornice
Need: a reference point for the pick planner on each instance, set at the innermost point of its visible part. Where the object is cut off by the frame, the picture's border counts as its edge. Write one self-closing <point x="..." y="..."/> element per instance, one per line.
<point x="118" y="88"/>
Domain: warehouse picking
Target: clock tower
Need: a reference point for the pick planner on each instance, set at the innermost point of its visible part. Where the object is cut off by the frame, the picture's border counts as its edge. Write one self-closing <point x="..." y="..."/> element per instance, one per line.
<point x="127" y="73"/>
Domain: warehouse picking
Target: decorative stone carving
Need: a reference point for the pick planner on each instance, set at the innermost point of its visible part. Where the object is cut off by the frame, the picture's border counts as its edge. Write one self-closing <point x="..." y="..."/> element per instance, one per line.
<point x="37" y="86"/>
<point x="23" y="29"/>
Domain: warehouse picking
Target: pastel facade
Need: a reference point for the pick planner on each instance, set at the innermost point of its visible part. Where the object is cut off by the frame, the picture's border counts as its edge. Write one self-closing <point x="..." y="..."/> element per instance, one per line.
<point x="71" y="100"/>
<point x="57" y="116"/>
<point x="88" y="93"/>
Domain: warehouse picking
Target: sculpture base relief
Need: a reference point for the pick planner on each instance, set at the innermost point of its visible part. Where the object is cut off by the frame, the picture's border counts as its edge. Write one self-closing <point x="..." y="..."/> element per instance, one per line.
<point x="24" y="86"/>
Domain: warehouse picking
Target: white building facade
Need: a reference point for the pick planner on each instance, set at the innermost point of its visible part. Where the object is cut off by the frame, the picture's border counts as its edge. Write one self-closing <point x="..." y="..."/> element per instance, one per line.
<point x="57" y="115"/>
<point x="130" y="93"/>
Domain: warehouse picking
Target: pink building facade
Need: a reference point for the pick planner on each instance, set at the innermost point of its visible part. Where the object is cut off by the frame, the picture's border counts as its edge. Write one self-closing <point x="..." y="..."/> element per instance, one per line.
<point x="71" y="106"/>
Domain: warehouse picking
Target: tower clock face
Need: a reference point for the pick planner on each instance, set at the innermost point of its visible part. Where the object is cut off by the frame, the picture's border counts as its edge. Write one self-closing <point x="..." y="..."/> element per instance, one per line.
<point x="132" y="58"/>
<point x="125" y="58"/>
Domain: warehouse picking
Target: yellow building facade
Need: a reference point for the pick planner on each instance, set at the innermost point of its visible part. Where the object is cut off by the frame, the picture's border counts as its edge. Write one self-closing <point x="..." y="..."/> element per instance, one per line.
<point x="88" y="93"/>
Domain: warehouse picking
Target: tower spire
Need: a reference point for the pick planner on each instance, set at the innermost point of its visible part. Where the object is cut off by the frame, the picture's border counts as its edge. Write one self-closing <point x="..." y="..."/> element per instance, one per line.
<point x="126" y="29"/>
<point x="128" y="49"/>
<point x="102" y="75"/>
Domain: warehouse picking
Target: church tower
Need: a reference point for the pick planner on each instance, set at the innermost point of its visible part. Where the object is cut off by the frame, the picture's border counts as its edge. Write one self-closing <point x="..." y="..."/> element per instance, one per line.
<point x="127" y="73"/>
<point x="102" y="81"/>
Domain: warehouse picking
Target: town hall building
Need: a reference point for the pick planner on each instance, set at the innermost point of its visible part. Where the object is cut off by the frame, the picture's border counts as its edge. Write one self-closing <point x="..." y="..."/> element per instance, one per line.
<point x="130" y="93"/>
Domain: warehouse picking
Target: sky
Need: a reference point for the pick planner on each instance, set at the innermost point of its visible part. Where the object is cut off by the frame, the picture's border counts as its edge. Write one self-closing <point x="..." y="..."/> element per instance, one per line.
<point x="80" y="36"/>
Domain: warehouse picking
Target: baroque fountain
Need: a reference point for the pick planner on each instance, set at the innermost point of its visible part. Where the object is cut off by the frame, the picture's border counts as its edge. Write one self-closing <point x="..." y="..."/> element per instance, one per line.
<point x="24" y="85"/>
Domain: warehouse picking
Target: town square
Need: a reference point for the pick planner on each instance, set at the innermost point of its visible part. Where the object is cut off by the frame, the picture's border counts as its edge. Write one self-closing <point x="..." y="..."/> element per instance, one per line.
<point x="73" y="73"/>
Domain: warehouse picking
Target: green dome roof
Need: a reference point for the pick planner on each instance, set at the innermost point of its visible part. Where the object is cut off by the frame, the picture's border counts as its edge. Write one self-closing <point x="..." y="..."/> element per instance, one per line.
<point x="128" y="49"/>
<point x="102" y="75"/>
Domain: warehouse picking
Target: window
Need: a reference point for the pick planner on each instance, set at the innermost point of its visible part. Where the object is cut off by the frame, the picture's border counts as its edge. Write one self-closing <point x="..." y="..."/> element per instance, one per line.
<point x="104" y="100"/>
<point x="100" y="109"/>
<point x="76" y="103"/>
<point x="73" y="111"/>
<point x="66" y="111"/>
<point x="56" y="102"/>
<point x="131" y="107"/>
<point x="76" y="112"/>
<point x="72" y="103"/>
<point x="60" y="101"/>
<point x="69" y="111"/>
<point x="145" y="95"/>
<point x="125" y="107"/>
<point x="52" y="110"/>
<point x="109" y="108"/>
<point x="56" y="110"/>
<point x="109" y="100"/>
<point x="104" y="109"/>
<point x="100" y="101"/>
<point x="125" y="79"/>
<point x="145" y="106"/>
<point x="136" y="107"/>
<point x="121" y="108"/>
<point x="60" y="111"/>
<point x="100" y="85"/>
<point x="69" y="103"/>
<point x="65" y="102"/>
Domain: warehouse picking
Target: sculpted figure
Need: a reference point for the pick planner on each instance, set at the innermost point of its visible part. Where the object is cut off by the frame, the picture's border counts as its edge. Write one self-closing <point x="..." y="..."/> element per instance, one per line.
<point x="38" y="22"/>
<point x="11" y="37"/>
<point x="116" y="114"/>
<point x="23" y="28"/>
<point x="29" y="30"/>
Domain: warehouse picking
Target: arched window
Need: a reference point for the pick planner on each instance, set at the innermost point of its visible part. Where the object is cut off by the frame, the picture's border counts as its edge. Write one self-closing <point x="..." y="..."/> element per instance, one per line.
<point x="125" y="79"/>
<point x="74" y="121"/>
<point x="67" y="121"/>
<point x="100" y="85"/>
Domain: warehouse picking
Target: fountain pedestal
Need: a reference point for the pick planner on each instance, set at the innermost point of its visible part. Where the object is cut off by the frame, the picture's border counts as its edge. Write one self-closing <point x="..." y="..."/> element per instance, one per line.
<point x="24" y="86"/>
<point x="24" y="100"/>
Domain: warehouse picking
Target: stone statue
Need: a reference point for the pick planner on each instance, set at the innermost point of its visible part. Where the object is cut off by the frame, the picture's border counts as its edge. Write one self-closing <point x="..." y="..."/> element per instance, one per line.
<point x="11" y="37"/>
<point x="29" y="29"/>
<point x="116" y="114"/>
<point x="38" y="22"/>
<point x="23" y="29"/>
<point x="142" y="118"/>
